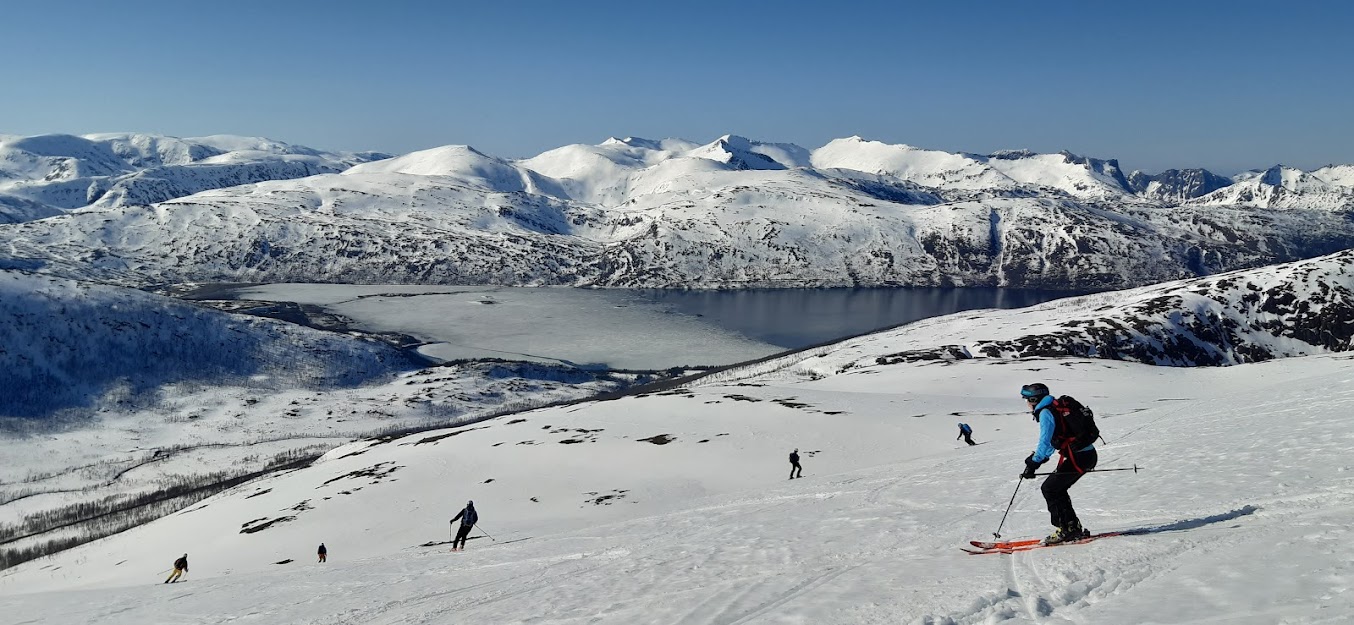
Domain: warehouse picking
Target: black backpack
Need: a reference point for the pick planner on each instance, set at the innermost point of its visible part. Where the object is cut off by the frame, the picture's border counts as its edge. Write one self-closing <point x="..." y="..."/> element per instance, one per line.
<point x="1075" y="424"/>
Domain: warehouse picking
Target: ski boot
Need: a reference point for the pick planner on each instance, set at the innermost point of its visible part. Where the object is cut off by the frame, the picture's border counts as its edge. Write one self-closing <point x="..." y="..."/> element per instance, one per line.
<point x="1071" y="531"/>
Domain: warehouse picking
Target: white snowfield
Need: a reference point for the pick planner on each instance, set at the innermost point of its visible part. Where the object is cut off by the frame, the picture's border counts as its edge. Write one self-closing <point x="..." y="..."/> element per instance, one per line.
<point x="1242" y="508"/>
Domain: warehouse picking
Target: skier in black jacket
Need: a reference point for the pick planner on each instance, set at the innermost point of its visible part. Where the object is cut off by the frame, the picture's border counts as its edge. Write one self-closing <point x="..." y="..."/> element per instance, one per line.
<point x="468" y="518"/>
<point x="180" y="567"/>
<point x="794" y="464"/>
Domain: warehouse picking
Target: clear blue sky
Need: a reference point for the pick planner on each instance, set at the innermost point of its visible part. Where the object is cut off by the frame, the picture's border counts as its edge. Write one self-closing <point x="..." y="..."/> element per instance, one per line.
<point x="1224" y="85"/>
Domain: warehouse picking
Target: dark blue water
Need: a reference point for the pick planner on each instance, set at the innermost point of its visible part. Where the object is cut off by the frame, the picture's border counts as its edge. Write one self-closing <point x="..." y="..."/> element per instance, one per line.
<point x="795" y="318"/>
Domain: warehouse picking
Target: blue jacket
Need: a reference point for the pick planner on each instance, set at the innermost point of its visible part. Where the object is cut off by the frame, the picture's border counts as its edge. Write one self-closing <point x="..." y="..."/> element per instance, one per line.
<point x="1048" y="425"/>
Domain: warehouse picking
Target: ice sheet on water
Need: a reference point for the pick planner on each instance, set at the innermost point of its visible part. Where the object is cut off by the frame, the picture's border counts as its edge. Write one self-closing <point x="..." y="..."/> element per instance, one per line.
<point x="616" y="329"/>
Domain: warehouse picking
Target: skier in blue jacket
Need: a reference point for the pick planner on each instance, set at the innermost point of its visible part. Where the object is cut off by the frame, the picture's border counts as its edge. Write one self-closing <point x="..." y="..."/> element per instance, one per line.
<point x="1071" y="465"/>
<point x="967" y="433"/>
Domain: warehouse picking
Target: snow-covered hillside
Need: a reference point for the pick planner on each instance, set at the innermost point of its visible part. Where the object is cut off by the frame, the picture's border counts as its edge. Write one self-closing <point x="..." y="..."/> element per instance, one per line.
<point x="69" y="345"/>
<point x="674" y="507"/>
<point x="49" y="174"/>
<point x="114" y="398"/>
<point x="734" y="213"/>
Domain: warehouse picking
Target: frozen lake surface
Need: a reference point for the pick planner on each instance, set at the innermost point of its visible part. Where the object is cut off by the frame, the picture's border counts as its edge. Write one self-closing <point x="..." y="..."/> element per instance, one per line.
<point x="630" y="329"/>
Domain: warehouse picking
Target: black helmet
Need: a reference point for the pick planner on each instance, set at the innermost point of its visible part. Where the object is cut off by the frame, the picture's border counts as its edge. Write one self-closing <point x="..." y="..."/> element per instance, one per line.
<point x="1034" y="391"/>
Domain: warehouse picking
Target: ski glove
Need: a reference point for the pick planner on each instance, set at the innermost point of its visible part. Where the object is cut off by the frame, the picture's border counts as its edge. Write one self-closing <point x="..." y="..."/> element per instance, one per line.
<point x="1030" y="467"/>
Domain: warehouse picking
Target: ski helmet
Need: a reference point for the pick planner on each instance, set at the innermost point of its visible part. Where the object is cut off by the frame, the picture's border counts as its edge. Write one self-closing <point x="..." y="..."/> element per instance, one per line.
<point x="1034" y="391"/>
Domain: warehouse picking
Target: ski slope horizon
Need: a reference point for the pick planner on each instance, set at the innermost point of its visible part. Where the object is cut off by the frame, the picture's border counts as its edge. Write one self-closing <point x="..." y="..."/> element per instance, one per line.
<point x="1242" y="499"/>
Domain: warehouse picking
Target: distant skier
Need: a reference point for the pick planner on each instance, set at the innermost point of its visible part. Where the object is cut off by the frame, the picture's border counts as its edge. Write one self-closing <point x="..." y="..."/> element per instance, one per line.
<point x="323" y="553"/>
<point x="1075" y="457"/>
<point x="468" y="518"/>
<point x="794" y="464"/>
<point x="967" y="433"/>
<point x="180" y="567"/>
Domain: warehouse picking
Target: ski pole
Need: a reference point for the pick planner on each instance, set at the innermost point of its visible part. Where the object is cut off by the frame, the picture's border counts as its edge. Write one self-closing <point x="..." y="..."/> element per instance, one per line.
<point x="1008" y="509"/>
<point x="485" y="533"/>
<point x="1133" y="468"/>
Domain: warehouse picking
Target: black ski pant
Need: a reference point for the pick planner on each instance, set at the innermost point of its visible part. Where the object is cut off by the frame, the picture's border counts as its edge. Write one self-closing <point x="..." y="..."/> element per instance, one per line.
<point x="968" y="438"/>
<point x="461" y="535"/>
<point x="794" y="466"/>
<point x="1067" y="473"/>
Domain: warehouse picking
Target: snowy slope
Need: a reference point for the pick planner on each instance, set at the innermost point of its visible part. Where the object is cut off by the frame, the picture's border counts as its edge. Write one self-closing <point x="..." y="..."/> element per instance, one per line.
<point x="45" y="175"/>
<point x="673" y="507"/>
<point x="114" y="395"/>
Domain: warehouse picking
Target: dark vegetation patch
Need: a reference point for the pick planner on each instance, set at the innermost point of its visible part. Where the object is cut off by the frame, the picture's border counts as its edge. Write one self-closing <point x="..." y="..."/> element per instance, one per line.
<point x="488" y="480"/>
<point x="661" y="439"/>
<point x="789" y="402"/>
<point x="287" y="561"/>
<point x="587" y="436"/>
<point x="434" y="439"/>
<point x="302" y="507"/>
<point x="598" y="499"/>
<point x="737" y="397"/>
<point x="517" y="421"/>
<point x="260" y="492"/>
<point x="377" y="472"/>
<point x="256" y="526"/>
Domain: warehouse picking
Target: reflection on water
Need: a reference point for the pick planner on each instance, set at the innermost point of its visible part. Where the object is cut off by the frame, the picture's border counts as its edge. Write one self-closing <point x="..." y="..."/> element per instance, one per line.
<point x="794" y="318"/>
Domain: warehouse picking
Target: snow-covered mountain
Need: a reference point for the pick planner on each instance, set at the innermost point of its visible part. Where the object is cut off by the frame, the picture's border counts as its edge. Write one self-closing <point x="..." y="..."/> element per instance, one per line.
<point x="733" y="213"/>
<point x="1077" y="176"/>
<point x="46" y="175"/>
<point x="674" y="507"/>
<point x="1284" y="188"/>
